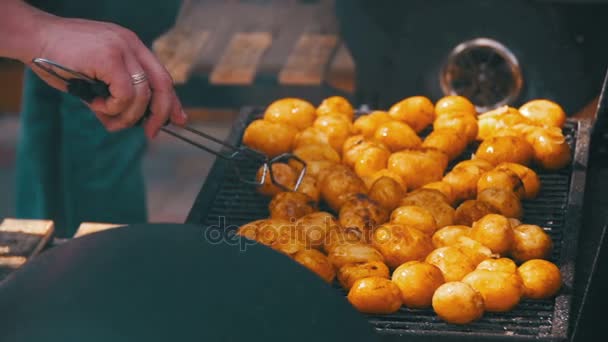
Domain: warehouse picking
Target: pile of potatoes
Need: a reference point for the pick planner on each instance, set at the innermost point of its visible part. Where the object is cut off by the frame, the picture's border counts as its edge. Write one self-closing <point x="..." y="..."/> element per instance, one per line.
<point x="405" y="232"/>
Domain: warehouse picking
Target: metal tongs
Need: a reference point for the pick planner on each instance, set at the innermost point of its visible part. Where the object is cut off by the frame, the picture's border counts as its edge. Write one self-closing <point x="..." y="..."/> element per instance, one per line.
<point x="87" y="89"/>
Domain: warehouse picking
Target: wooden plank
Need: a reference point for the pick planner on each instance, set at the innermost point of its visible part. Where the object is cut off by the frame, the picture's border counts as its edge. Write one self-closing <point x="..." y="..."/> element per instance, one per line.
<point x="341" y="73"/>
<point x="309" y="59"/>
<point x="179" y="50"/>
<point x="238" y="65"/>
<point x="94" y="227"/>
<point x="20" y="240"/>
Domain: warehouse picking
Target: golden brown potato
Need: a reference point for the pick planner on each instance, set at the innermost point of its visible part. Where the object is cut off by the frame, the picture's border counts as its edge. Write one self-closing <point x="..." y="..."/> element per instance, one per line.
<point x="503" y="201"/>
<point x="502" y="179"/>
<point x="493" y="231"/>
<point x="448" y="141"/>
<point x="371" y="160"/>
<point x="291" y="111"/>
<point x="434" y="202"/>
<point x="473" y="249"/>
<point x="474" y="164"/>
<point x="415" y="217"/>
<point x="470" y="211"/>
<point x="551" y="151"/>
<point x="266" y="231"/>
<point x="511" y="149"/>
<point x="463" y="181"/>
<point x="499" y="120"/>
<point x="452" y="262"/>
<point x="336" y="127"/>
<point x="530" y="242"/>
<point x="375" y="295"/>
<point x="270" y="138"/>
<point x="315" y="228"/>
<point x="310" y="187"/>
<point x="314" y="168"/>
<point x="367" y="125"/>
<point x="498" y="265"/>
<point x="338" y="184"/>
<point x="541" y="278"/>
<point x="544" y="113"/>
<point x="465" y="124"/>
<point x="349" y="253"/>
<point x="418" y="167"/>
<point x="361" y="213"/>
<point x="350" y="273"/>
<point x="336" y="104"/>
<point x="316" y="262"/>
<point x="289" y="243"/>
<point x="354" y="146"/>
<point x="370" y="180"/>
<point x="458" y="303"/>
<point x="443" y="187"/>
<point x="454" y="104"/>
<point x="283" y="174"/>
<point x="501" y="291"/>
<point x="291" y="206"/>
<point x="449" y="235"/>
<point x="387" y="192"/>
<point x="397" y="136"/>
<point x="528" y="177"/>
<point x="399" y="244"/>
<point x="423" y="197"/>
<point x="416" y="111"/>
<point x="317" y="152"/>
<point x="514" y="222"/>
<point x="417" y="282"/>
<point x="338" y="237"/>
<point x="310" y="136"/>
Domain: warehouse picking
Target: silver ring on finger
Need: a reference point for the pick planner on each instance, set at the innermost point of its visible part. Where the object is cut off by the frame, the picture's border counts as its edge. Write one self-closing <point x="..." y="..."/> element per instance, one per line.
<point x="138" y="78"/>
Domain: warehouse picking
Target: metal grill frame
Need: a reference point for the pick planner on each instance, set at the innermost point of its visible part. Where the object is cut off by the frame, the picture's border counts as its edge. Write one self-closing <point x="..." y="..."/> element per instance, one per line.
<point x="561" y="315"/>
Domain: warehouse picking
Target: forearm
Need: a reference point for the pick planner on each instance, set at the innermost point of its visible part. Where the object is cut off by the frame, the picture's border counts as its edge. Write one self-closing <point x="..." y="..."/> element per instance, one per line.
<point x="21" y="30"/>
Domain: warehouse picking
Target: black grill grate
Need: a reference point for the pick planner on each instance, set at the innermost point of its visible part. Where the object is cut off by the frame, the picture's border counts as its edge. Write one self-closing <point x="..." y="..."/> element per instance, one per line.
<point x="226" y="204"/>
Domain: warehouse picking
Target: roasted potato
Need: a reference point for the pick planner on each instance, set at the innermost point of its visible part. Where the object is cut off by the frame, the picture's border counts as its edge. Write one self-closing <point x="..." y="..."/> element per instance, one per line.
<point x="458" y="303"/>
<point x="479" y="165"/>
<point x="544" y="113"/>
<point x="472" y="210"/>
<point x="473" y="249"/>
<point x="361" y="213"/>
<point x="551" y="151"/>
<point x="415" y="217"/>
<point x="502" y="179"/>
<point x="316" y="262"/>
<point x="416" y="111"/>
<point x="541" y="278"/>
<point x="310" y="136"/>
<point x="449" y="235"/>
<point x="354" y="146"/>
<point x="498" y="265"/>
<point x="454" y="104"/>
<point x="514" y="222"/>
<point x="434" y="202"/>
<point x="397" y="136"/>
<point x="270" y="138"/>
<point x="493" y="231"/>
<point x="310" y="187"/>
<point x="443" y="187"/>
<point x="501" y="291"/>
<point x="511" y="149"/>
<point x="499" y="120"/>
<point x="336" y="127"/>
<point x="349" y="253"/>
<point x="530" y="242"/>
<point x="315" y="227"/>
<point x="369" y="181"/>
<point x="337" y="184"/>
<point x="289" y="244"/>
<point x="399" y="244"/>
<point x="266" y="231"/>
<point x="338" y="237"/>
<point x="418" y="167"/>
<point x="350" y="273"/>
<point x="375" y="295"/>
<point x="417" y="282"/>
<point x="463" y="181"/>
<point x="282" y="173"/>
<point x="336" y="105"/>
<point x="528" y="177"/>
<point x="465" y="124"/>
<point x="423" y="197"/>
<point x="387" y="192"/>
<point x="452" y="262"/>
<point x="448" y="141"/>
<point x="371" y="160"/>
<point x="367" y="125"/>
<point x="317" y="152"/>
<point x="503" y="201"/>
<point x="291" y="206"/>
<point x="291" y="111"/>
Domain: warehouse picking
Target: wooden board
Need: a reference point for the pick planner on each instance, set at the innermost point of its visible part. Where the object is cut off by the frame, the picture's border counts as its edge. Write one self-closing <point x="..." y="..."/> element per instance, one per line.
<point x="341" y="73"/>
<point x="307" y="62"/>
<point x="93" y="227"/>
<point x="20" y="240"/>
<point x="238" y="65"/>
<point x="179" y="50"/>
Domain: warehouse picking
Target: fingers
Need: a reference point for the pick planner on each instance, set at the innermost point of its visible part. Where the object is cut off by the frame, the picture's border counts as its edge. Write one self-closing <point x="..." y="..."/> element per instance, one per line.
<point x="122" y="92"/>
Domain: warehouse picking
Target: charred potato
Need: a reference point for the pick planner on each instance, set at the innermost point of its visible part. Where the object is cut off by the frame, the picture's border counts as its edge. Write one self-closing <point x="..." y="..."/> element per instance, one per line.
<point x="338" y="184"/>
<point x="291" y="111"/>
<point x="418" y="167"/>
<point x="361" y="213"/>
<point x="291" y="206"/>
<point x="510" y="149"/>
<point x="416" y="111"/>
<point x="415" y="217"/>
<point x="387" y="192"/>
<point x="270" y="138"/>
<point x="448" y="141"/>
<point x="339" y="237"/>
<point x="473" y="249"/>
<point x="289" y="244"/>
<point x="449" y="235"/>
<point x="350" y="273"/>
<point x="336" y="127"/>
<point x="315" y="227"/>
<point x="397" y="136"/>
<point x="375" y="295"/>
<point x="528" y="177"/>
<point x="316" y="262"/>
<point x="503" y="201"/>
<point x="470" y="211"/>
<point x="350" y="253"/>
<point x="336" y="105"/>
<point x="458" y="303"/>
<point x="433" y="201"/>
<point x="454" y="104"/>
<point x="282" y="173"/>
<point x="501" y="291"/>
<point x="371" y="160"/>
<point x="399" y="244"/>
<point x="369" y="181"/>
<point x="465" y="124"/>
<point x="498" y="265"/>
<point x="530" y="242"/>
<point x="544" y="113"/>
<point x="443" y="187"/>
<point x="453" y="263"/>
<point x="493" y="231"/>
<point x="266" y="231"/>
<point x="310" y="136"/>
<point x="367" y="125"/>
<point x="541" y="278"/>
<point x="551" y="151"/>
<point x="502" y="179"/>
<point x="417" y="282"/>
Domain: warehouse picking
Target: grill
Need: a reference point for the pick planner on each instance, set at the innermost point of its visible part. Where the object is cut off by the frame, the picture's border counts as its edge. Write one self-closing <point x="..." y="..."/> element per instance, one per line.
<point x="224" y="204"/>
